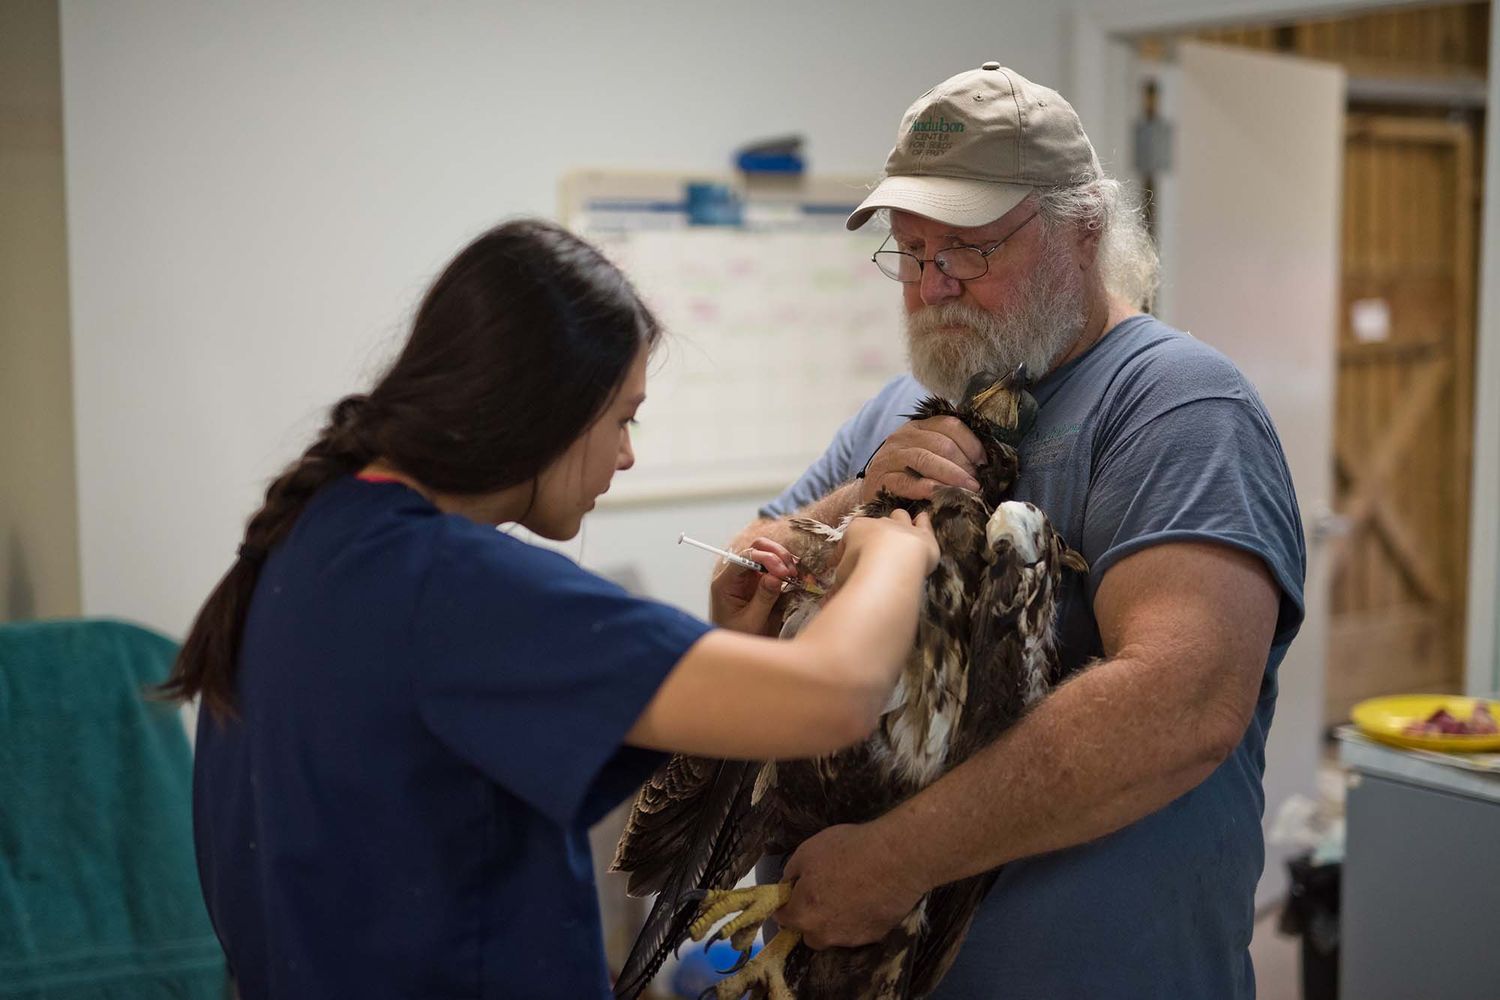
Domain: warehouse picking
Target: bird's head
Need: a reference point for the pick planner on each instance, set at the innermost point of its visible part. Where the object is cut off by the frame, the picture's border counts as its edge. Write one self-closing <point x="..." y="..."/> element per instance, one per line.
<point x="1031" y="536"/>
<point x="1003" y="401"/>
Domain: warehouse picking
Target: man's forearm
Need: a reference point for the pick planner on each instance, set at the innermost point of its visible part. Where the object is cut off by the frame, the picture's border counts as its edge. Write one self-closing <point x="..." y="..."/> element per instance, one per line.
<point x="1188" y="628"/>
<point x="1099" y="753"/>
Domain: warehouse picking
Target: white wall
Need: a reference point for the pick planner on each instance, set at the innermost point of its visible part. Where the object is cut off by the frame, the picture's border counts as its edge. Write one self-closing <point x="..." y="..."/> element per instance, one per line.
<point x="258" y="192"/>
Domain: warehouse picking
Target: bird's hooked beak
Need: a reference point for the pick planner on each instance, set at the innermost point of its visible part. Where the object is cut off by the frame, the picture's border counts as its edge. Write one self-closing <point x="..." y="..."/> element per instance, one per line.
<point x="1003" y="400"/>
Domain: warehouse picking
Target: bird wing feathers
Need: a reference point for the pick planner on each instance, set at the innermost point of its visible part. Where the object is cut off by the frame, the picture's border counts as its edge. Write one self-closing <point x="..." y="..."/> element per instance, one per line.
<point x="694" y="826"/>
<point x="950" y="911"/>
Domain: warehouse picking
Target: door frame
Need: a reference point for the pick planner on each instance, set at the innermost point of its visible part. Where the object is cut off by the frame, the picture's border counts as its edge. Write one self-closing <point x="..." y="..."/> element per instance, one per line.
<point x="1103" y="61"/>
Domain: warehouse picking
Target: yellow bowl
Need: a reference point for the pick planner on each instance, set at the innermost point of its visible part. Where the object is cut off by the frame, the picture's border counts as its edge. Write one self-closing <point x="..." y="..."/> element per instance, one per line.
<point x="1386" y="719"/>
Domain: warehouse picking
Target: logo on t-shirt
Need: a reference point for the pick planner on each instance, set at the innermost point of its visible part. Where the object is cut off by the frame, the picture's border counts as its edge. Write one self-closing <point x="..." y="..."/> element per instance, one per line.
<point x="1043" y="449"/>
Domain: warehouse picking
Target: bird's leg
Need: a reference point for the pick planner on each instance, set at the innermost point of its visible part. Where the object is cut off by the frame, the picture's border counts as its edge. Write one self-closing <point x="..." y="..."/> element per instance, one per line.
<point x="752" y="906"/>
<point x="766" y="970"/>
<point x="765" y="973"/>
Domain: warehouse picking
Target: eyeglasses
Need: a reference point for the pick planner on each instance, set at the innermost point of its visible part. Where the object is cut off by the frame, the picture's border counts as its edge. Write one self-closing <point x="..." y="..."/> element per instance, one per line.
<point x="961" y="263"/>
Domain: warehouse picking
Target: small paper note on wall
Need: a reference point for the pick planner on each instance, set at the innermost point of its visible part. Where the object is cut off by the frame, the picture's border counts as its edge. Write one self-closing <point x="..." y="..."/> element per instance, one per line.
<point x="1371" y="320"/>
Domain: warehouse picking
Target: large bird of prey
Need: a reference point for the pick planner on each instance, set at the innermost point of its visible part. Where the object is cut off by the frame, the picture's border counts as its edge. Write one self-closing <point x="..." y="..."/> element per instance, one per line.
<point x="983" y="654"/>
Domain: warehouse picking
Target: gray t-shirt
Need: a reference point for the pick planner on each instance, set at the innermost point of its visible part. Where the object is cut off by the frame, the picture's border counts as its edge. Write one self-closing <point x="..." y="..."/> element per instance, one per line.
<point x="1149" y="437"/>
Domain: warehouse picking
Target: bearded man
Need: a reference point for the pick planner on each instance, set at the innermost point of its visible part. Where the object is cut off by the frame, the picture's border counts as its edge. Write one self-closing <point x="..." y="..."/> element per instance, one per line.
<point x="1125" y="808"/>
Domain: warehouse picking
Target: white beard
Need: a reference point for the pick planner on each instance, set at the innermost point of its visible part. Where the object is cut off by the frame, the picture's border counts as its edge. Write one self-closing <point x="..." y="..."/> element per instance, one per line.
<point x="1046" y="320"/>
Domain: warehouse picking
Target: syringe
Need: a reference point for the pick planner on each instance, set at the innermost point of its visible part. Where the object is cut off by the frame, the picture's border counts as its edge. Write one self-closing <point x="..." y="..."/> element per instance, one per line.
<point x="749" y="564"/>
<point x="738" y="560"/>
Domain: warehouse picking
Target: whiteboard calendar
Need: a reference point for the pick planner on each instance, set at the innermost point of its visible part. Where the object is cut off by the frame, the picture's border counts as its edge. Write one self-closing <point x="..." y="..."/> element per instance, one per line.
<point x="776" y="330"/>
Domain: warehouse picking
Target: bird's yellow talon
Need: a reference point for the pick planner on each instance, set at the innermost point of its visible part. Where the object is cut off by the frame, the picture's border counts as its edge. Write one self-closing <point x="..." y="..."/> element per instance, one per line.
<point x="750" y="908"/>
<point x="753" y="904"/>
<point x="767" y="970"/>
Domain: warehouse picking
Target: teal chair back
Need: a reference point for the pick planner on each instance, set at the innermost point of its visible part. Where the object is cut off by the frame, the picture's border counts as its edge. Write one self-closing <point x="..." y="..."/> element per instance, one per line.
<point x="99" y="894"/>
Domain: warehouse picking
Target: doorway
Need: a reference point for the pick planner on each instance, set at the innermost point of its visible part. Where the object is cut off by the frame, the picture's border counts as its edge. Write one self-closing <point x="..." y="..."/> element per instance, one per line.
<point x="1403" y="431"/>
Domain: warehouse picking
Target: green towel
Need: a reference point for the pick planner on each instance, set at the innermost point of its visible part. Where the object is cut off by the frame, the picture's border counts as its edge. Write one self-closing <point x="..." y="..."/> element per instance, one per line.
<point x="99" y="895"/>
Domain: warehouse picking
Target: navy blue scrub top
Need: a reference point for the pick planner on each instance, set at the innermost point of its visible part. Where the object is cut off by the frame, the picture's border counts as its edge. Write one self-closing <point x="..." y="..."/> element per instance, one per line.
<point x="430" y="718"/>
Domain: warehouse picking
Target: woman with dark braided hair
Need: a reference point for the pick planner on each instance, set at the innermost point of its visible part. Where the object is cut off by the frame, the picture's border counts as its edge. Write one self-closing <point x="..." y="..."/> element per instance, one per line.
<point x="411" y="719"/>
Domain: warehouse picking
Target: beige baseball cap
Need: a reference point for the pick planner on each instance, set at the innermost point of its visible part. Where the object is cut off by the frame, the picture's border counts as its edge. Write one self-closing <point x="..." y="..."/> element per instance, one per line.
<point x="971" y="148"/>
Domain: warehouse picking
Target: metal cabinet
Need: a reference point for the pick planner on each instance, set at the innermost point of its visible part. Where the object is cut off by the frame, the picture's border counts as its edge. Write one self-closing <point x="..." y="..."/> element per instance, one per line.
<point x="1421" y="881"/>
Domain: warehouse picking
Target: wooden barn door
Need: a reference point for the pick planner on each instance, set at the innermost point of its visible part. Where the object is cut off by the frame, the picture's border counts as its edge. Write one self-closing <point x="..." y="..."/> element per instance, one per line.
<point x="1402" y="428"/>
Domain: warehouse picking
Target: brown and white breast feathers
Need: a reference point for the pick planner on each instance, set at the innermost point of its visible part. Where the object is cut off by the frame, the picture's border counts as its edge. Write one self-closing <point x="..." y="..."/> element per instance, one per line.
<point x="1023" y="548"/>
<point x="926" y="706"/>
